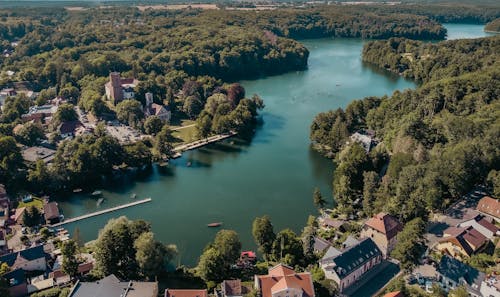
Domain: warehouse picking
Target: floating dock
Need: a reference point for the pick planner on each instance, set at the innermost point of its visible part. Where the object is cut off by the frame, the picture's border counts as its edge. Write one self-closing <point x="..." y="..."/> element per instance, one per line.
<point x="100" y="212"/>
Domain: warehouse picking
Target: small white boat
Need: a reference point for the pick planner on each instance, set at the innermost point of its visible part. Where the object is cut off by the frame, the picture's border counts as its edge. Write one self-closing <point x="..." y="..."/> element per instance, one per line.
<point x="100" y="201"/>
<point x="96" y="193"/>
<point x="133" y="196"/>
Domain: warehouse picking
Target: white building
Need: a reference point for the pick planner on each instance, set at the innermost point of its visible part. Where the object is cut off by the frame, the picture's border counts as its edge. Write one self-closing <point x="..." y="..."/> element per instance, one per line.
<point x="32" y="259"/>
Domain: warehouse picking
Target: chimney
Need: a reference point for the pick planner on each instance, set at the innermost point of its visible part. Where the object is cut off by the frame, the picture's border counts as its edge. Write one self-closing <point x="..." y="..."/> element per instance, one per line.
<point x="116" y="87"/>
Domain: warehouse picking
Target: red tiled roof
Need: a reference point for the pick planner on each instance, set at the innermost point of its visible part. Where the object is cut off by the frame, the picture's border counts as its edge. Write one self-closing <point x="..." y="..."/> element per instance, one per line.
<point x="386" y="224"/>
<point x="282" y="277"/>
<point x="488" y="225"/>
<point x="249" y="254"/>
<point x="394" y="294"/>
<point x="490" y="206"/>
<point x="185" y="293"/>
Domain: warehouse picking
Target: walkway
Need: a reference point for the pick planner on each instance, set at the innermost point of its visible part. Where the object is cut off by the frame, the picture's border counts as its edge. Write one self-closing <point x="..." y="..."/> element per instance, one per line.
<point x="202" y="142"/>
<point x="182" y="127"/>
<point x="97" y="213"/>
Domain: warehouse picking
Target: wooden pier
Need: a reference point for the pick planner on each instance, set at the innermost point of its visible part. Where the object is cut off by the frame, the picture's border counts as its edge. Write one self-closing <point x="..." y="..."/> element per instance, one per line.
<point x="100" y="212"/>
<point x="199" y="143"/>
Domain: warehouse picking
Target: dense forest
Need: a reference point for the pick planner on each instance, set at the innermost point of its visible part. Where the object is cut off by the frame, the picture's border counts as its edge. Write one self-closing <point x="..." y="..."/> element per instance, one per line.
<point x="441" y="139"/>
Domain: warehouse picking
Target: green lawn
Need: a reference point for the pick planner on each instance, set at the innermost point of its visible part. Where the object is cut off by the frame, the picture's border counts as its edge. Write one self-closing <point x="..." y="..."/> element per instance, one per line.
<point x="185" y="135"/>
<point x="37" y="202"/>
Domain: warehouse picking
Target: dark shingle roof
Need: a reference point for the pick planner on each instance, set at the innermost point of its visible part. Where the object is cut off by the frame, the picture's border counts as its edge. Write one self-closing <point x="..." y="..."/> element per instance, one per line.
<point x="15" y="277"/>
<point x="355" y="257"/>
<point x="455" y="270"/>
<point x="30" y="254"/>
<point x="111" y="286"/>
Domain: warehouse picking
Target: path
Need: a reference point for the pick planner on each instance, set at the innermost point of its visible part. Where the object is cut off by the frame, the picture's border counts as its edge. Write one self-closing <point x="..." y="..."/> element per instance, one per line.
<point x="97" y="213"/>
<point x="202" y="142"/>
<point x="182" y="127"/>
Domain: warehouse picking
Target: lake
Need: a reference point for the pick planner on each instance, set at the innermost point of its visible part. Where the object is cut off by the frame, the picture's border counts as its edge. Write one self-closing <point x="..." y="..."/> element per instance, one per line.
<point x="233" y="182"/>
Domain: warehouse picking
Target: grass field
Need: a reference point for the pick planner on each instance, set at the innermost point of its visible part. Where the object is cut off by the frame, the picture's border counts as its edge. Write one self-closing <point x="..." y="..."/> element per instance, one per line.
<point x="37" y="202"/>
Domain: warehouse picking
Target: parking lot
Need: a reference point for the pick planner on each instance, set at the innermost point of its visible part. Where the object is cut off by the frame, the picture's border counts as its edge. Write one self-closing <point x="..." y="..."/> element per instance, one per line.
<point x="124" y="134"/>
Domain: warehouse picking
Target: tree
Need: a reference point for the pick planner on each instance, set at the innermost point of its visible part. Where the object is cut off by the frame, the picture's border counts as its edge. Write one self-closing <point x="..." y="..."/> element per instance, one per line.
<point x="4" y="268"/>
<point x="130" y="112"/>
<point x="211" y="265"/>
<point x="152" y="255"/>
<point x="153" y="125"/>
<point x="192" y="106"/>
<point x="410" y="244"/>
<point x="163" y="142"/>
<point x="138" y="154"/>
<point x="31" y="216"/>
<point x="494" y="181"/>
<point x="114" y="250"/>
<point x="40" y="176"/>
<point x="235" y="92"/>
<point x="4" y="287"/>
<point x="70" y="262"/>
<point x="308" y="236"/>
<point x="318" y="199"/>
<point x="30" y="133"/>
<point x="77" y="238"/>
<point x="459" y="291"/>
<point x="10" y="158"/>
<point x="228" y="244"/>
<point x="263" y="234"/>
<point x="370" y="186"/>
<point x="287" y="247"/>
<point x="65" y="113"/>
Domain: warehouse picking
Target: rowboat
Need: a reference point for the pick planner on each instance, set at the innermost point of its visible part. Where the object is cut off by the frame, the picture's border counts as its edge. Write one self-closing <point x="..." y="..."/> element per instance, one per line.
<point x="133" y="196"/>
<point x="96" y="193"/>
<point x="217" y="224"/>
<point x="77" y="190"/>
<point x="100" y="201"/>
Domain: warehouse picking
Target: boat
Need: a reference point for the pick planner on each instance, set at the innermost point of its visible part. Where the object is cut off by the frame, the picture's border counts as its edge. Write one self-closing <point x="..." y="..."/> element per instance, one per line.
<point x="77" y="190"/>
<point x="133" y="196"/>
<point x="216" y="224"/>
<point x="100" y="201"/>
<point x="96" y="193"/>
<point x="188" y="164"/>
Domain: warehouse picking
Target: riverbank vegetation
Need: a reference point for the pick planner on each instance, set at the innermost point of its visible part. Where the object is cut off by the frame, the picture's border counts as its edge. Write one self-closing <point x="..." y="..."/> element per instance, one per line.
<point x="441" y="139"/>
<point x="493" y="26"/>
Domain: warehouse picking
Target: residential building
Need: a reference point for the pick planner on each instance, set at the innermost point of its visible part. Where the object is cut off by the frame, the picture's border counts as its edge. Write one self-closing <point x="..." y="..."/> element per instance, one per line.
<point x="185" y="293"/>
<point x="490" y="286"/>
<point x="365" y="138"/>
<point x="40" y="113"/>
<point x="68" y="129"/>
<point x="153" y="109"/>
<point x="5" y="93"/>
<point x="17" y="217"/>
<point x="490" y="207"/>
<point x="329" y="223"/>
<point x="394" y="294"/>
<point x="51" y="213"/>
<point x="382" y="229"/>
<point x="283" y="281"/>
<point x="119" y="89"/>
<point x="31" y="259"/>
<point x="320" y="244"/>
<point x="461" y="242"/>
<point x="35" y="153"/>
<point x="112" y="286"/>
<point x="452" y="273"/>
<point x="16" y="280"/>
<point x="483" y="225"/>
<point x="348" y="266"/>
<point x="232" y="288"/>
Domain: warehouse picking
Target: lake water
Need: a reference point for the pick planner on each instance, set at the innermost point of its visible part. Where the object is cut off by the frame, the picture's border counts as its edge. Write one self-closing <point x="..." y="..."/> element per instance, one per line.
<point x="233" y="182"/>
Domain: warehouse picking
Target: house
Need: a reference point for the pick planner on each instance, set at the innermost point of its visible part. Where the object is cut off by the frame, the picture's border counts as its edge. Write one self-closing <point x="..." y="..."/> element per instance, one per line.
<point x="452" y="273"/>
<point x="5" y="93"/>
<point x="490" y="207"/>
<point x="320" y="244"/>
<point x="460" y="242"/>
<point x="153" y="109"/>
<point x="185" y="293"/>
<point x="119" y="89"/>
<point x="338" y="225"/>
<point x="232" y="288"/>
<point x="31" y="259"/>
<point x="366" y="140"/>
<point x="490" y="286"/>
<point x="17" y="217"/>
<point x="347" y="267"/>
<point x="112" y="286"/>
<point x="68" y="129"/>
<point x="17" y="285"/>
<point x="382" y="229"/>
<point x="283" y="281"/>
<point x="51" y="213"/>
<point x="483" y="225"/>
<point x="83" y="268"/>
<point x="40" y="113"/>
<point x="35" y="153"/>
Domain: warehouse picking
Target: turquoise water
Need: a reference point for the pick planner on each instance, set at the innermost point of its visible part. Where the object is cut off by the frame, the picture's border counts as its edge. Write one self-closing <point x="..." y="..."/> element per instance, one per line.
<point x="233" y="182"/>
